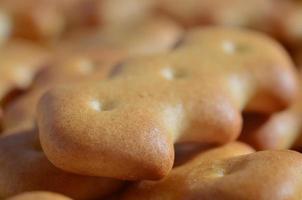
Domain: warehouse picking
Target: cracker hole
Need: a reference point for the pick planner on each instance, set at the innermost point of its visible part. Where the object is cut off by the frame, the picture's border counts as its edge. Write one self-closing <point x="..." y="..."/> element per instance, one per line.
<point x="231" y="47"/>
<point x="170" y="74"/>
<point x="179" y="42"/>
<point x="95" y="105"/>
<point x="220" y="173"/>
<point x="228" y="47"/>
<point x="109" y="105"/>
<point x="117" y="69"/>
<point x="215" y="170"/>
<point x="99" y="106"/>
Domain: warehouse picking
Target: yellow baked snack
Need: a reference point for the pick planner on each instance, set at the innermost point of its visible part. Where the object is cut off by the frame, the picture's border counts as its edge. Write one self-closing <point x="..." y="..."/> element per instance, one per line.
<point x="126" y="126"/>
<point x="229" y="172"/>
<point x="24" y="167"/>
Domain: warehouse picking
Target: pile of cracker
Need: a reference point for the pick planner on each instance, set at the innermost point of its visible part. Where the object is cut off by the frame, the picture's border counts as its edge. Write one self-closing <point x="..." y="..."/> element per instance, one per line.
<point x="150" y="99"/>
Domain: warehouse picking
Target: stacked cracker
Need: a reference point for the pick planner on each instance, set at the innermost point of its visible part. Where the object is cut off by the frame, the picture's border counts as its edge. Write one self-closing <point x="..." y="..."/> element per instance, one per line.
<point x="142" y="99"/>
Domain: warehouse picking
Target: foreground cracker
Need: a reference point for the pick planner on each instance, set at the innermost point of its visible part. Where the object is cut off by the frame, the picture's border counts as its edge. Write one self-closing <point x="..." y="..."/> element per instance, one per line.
<point x="39" y="195"/>
<point x="126" y="127"/>
<point x="225" y="173"/>
<point x="24" y="167"/>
